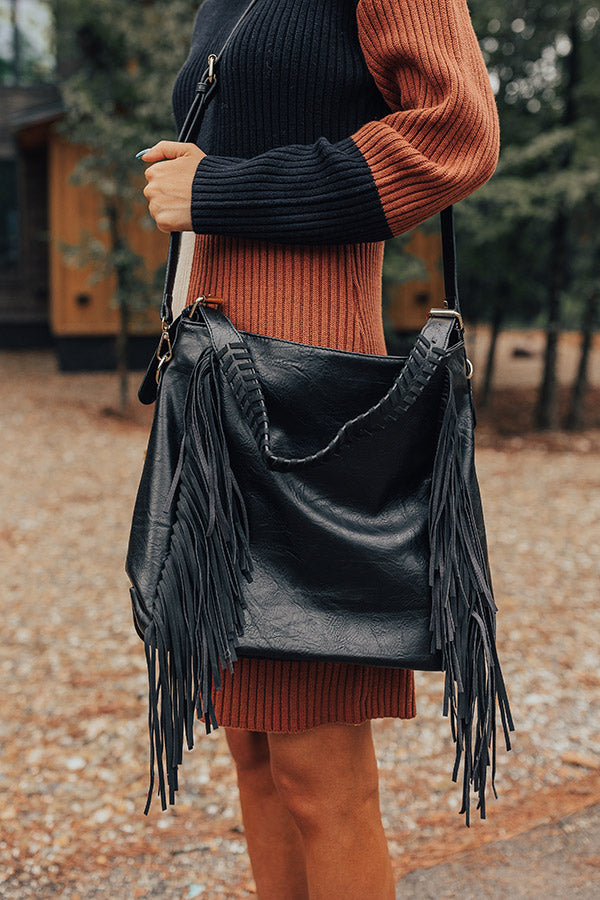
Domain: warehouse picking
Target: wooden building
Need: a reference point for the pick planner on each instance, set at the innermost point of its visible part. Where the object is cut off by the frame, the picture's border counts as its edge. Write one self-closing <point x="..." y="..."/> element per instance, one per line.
<point x="410" y="301"/>
<point x="76" y="310"/>
<point x="84" y="319"/>
<point x="24" y="288"/>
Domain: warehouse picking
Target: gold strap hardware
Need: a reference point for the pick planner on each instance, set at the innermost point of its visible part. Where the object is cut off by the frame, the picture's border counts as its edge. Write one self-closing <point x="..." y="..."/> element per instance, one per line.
<point x="448" y="313"/>
<point x="205" y="301"/>
<point x="453" y="314"/>
<point x="212" y="58"/>
<point x="163" y="345"/>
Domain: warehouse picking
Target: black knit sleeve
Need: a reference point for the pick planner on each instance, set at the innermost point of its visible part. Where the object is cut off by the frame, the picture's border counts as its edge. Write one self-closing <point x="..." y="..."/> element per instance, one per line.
<point x="439" y="142"/>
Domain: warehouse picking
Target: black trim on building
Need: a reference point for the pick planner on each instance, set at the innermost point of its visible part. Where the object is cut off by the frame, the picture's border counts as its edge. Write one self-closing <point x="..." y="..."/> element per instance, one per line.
<point x="97" y="354"/>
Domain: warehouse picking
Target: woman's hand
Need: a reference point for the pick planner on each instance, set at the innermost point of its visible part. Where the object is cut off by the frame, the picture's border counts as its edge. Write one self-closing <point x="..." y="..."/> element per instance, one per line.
<point x="169" y="188"/>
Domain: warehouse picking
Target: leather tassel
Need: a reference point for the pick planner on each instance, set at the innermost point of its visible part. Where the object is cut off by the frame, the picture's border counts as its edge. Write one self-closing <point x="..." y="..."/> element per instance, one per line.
<point x="198" y="614"/>
<point x="463" y="617"/>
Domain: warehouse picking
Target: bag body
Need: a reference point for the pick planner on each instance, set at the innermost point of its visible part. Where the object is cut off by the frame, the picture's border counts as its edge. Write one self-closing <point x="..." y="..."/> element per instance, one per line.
<point x="339" y="548"/>
<point x="301" y="502"/>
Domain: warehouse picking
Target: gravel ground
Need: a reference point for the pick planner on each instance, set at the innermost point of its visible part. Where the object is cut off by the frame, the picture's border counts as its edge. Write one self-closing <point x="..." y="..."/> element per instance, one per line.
<point x="73" y="745"/>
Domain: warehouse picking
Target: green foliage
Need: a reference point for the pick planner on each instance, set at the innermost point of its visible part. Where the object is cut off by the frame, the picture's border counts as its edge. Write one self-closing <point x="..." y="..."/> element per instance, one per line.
<point x="124" y="57"/>
<point x="544" y="64"/>
<point x="120" y="60"/>
<point x="26" y="53"/>
<point x="132" y="285"/>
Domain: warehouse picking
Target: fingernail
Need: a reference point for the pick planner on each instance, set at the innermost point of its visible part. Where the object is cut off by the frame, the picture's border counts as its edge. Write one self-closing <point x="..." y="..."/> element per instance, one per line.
<point x="141" y="153"/>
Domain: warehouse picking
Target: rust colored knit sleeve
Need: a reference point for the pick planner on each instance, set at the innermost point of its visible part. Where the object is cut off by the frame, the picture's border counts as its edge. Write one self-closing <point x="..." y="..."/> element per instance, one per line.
<point x="438" y="144"/>
<point x="441" y="141"/>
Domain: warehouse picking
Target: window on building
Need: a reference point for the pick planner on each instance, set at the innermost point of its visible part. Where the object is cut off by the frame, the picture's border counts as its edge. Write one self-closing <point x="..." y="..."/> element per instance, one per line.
<point x="8" y="213"/>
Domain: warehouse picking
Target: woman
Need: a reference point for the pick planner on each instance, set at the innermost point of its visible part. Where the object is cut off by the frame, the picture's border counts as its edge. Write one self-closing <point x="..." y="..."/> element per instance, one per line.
<point x="335" y="125"/>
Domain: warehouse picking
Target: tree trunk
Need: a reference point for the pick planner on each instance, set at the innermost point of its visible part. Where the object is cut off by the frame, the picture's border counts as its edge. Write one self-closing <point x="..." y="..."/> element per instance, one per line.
<point x="574" y="417"/>
<point x="16" y="42"/>
<point x="545" y="412"/>
<point x="497" y="320"/>
<point x="121" y="345"/>
<point x="122" y="337"/>
<point x="546" y="415"/>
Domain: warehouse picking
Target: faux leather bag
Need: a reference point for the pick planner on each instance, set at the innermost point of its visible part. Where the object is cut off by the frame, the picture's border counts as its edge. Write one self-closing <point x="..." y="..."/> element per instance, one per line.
<point x="301" y="502"/>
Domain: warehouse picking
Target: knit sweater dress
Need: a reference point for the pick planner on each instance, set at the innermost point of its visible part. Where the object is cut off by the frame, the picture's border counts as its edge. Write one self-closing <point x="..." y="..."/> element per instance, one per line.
<point x="336" y="124"/>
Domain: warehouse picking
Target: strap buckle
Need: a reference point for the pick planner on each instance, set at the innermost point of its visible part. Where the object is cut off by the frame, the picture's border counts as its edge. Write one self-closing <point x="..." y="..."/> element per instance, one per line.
<point x="212" y="58"/>
<point x="454" y="314"/>
<point x="448" y="314"/>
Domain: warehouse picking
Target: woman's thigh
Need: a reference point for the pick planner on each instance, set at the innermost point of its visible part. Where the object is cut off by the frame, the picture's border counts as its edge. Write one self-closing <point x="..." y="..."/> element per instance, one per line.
<point x="333" y="765"/>
<point x="316" y="759"/>
<point x="249" y="749"/>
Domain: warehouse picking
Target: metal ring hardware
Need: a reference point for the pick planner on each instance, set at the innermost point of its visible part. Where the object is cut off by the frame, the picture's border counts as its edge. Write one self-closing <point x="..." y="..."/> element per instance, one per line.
<point x="205" y="301"/>
<point x="469" y="368"/>
<point x="212" y="58"/>
<point x="165" y="342"/>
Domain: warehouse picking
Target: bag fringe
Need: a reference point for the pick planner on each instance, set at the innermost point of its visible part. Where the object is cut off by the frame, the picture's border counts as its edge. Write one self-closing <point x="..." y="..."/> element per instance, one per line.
<point x="463" y="618"/>
<point x="198" y="615"/>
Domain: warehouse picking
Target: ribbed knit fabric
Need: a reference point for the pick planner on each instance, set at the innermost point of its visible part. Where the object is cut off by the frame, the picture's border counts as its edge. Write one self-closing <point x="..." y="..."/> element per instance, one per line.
<point x="264" y="695"/>
<point x="330" y="296"/>
<point x="328" y="72"/>
<point x="335" y="125"/>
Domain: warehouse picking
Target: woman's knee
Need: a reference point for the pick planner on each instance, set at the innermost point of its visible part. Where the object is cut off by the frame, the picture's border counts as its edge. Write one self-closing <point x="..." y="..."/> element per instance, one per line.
<point x="321" y="779"/>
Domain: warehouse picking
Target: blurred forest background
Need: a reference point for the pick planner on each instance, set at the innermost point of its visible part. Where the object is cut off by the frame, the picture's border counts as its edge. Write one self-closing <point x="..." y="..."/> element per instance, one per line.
<point x="528" y="240"/>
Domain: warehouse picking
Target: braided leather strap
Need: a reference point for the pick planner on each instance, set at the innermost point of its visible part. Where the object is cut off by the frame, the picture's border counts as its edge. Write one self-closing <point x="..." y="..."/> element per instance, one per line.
<point x="237" y="366"/>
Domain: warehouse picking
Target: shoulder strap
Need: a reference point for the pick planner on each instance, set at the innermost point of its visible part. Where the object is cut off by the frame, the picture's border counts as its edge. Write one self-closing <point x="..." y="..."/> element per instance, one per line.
<point x="189" y="132"/>
<point x="449" y="258"/>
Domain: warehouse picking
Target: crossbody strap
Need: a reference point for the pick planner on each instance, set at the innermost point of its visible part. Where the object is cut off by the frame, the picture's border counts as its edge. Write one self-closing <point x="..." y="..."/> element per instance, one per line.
<point x="449" y="258"/>
<point x="188" y="133"/>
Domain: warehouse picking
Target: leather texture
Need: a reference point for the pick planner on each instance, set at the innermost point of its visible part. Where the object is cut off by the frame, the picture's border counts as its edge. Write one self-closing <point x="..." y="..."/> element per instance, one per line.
<point x="339" y="544"/>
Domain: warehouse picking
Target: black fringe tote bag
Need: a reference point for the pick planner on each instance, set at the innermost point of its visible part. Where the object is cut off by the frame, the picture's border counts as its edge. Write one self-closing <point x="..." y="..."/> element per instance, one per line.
<point x="301" y="502"/>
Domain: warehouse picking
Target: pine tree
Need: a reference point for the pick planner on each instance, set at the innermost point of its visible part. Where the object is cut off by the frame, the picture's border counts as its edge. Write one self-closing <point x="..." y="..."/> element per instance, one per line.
<point x="523" y="230"/>
<point x="117" y="63"/>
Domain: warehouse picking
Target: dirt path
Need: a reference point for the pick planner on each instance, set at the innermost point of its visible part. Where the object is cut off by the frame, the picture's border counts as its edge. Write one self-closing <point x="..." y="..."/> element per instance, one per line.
<point x="554" y="862"/>
<point x="73" y="747"/>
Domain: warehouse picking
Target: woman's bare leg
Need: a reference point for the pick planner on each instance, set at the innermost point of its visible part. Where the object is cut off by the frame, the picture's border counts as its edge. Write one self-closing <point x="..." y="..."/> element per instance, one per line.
<point x="274" y="841"/>
<point x="327" y="778"/>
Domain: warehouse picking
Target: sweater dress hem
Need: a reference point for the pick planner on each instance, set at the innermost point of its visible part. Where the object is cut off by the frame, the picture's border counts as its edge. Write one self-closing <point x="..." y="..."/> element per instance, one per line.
<point x="283" y="696"/>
